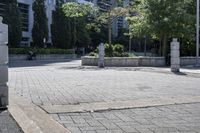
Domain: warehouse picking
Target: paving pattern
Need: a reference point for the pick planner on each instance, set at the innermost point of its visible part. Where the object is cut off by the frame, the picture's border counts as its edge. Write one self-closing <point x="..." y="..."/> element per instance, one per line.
<point x="184" y="118"/>
<point x="65" y="83"/>
<point x="8" y="124"/>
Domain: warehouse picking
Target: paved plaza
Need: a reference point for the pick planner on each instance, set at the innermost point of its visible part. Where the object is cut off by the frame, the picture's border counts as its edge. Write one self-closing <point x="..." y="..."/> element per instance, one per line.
<point x="183" y="118"/>
<point x="137" y="100"/>
<point x="7" y="123"/>
<point x="66" y="83"/>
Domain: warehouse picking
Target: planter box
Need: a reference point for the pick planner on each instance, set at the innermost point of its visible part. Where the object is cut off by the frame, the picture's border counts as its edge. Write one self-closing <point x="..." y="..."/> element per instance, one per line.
<point x="152" y="61"/>
<point x="134" y="61"/>
<point x="124" y="61"/>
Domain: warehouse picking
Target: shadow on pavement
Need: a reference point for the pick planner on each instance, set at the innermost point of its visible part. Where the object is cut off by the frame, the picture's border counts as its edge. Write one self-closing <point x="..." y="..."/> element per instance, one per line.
<point x="180" y="73"/>
<point x="36" y="63"/>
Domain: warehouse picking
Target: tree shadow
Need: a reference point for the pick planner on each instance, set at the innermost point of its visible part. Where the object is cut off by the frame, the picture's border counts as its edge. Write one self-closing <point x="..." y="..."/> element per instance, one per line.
<point x="37" y="63"/>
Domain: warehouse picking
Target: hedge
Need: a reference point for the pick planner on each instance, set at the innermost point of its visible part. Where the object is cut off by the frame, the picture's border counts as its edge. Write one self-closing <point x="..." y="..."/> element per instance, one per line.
<point x="40" y="51"/>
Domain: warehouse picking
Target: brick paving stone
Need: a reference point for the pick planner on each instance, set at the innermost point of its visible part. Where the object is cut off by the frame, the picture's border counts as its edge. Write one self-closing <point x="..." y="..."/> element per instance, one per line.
<point x="65" y="83"/>
<point x="58" y="83"/>
<point x="8" y="124"/>
<point x="108" y="123"/>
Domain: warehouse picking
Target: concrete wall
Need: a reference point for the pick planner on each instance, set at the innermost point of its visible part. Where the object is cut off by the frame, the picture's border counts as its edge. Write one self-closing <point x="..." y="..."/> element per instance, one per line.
<point x="125" y="61"/>
<point x="152" y="61"/>
<point x="133" y="61"/>
<point x="13" y="57"/>
<point x="188" y="61"/>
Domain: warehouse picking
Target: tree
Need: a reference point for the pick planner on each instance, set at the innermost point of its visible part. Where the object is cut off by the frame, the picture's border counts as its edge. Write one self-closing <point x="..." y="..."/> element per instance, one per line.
<point x="61" y="27"/>
<point x="40" y="26"/>
<point x="12" y="17"/>
<point x="79" y="16"/>
<point x="166" y="19"/>
<point x="110" y="16"/>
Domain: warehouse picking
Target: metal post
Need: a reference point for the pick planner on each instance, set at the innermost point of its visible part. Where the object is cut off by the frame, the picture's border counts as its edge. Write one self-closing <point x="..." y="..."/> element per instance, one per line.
<point x="197" y="35"/>
<point x="130" y="38"/>
<point x="145" y="46"/>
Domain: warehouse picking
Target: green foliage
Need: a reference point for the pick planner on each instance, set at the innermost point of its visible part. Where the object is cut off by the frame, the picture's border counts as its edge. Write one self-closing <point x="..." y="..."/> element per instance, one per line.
<point x="79" y="16"/>
<point x="76" y="10"/>
<point x="60" y="28"/>
<point x="107" y="18"/>
<point x="123" y="38"/>
<point x="163" y="20"/>
<point x="13" y="19"/>
<point x="116" y="50"/>
<point x="93" y="54"/>
<point x="109" y="50"/>
<point x="40" y="51"/>
<point x="40" y="26"/>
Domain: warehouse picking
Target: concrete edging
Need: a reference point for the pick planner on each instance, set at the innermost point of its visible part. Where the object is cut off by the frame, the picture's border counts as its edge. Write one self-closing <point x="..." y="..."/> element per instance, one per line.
<point x="101" y="106"/>
<point x="124" y="61"/>
<point x="31" y="118"/>
<point x="134" y="61"/>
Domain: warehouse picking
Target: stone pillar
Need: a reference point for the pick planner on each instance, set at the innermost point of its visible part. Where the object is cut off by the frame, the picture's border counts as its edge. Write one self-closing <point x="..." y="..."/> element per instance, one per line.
<point x="175" y="55"/>
<point x="3" y="64"/>
<point x="101" y="55"/>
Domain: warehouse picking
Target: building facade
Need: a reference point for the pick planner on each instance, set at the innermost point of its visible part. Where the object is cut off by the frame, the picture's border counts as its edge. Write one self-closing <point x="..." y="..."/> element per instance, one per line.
<point x="25" y="7"/>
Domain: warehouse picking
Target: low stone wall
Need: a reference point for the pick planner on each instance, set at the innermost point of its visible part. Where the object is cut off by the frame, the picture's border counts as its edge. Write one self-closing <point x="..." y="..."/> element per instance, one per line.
<point x="13" y="57"/>
<point x="151" y="61"/>
<point x="188" y="61"/>
<point x="124" y="61"/>
<point x="134" y="61"/>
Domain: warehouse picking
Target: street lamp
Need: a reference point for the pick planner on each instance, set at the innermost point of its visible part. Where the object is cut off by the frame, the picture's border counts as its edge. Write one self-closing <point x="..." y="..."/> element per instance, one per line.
<point x="145" y="45"/>
<point x="197" y="35"/>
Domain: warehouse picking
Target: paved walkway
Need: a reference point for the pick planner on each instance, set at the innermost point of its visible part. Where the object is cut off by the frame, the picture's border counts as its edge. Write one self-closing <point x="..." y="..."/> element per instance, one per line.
<point x="183" y="118"/>
<point x="7" y="123"/>
<point x="66" y="83"/>
<point x="55" y="85"/>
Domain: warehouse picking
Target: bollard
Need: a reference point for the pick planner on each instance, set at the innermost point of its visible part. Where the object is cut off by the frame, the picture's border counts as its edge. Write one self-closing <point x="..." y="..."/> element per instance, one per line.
<point x="101" y="55"/>
<point x="175" y="56"/>
<point x="3" y="64"/>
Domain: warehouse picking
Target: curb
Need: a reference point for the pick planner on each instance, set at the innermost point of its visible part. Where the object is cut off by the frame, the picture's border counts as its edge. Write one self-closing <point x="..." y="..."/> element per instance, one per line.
<point x="31" y="118"/>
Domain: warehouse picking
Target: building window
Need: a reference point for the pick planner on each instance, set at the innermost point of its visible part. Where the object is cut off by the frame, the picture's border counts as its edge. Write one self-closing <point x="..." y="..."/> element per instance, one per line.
<point x="24" y="10"/>
<point x="2" y="8"/>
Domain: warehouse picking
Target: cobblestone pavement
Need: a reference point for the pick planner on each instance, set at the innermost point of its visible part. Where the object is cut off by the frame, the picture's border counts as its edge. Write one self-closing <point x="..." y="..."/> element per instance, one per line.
<point x="8" y="124"/>
<point x="63" y="83"/>
<point x="184" y="118"/>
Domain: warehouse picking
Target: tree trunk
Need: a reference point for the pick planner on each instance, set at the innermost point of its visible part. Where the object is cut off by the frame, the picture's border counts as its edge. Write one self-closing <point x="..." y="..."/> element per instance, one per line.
<point x="160" y="48"/>
<point x="109" y="32"/>
<point x="164" y="48"/>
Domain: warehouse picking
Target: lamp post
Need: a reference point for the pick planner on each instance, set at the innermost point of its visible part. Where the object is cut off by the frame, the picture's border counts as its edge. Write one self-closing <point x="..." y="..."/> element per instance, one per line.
<point x="197" y="35"/>
<point x="145" y="45"/>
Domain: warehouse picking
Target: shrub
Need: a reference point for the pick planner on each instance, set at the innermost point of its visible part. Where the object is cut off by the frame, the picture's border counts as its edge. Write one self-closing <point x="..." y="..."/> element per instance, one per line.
<point x="116" y="50"/>
<point x="93" y="54"/>
<point x="40" y="51"/>
<point x="109" y="50"/>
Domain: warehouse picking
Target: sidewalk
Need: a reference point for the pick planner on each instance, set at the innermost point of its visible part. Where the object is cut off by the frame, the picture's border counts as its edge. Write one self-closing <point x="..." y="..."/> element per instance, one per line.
<point x="7" y="123"/>
<point x="89" y="99"/>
